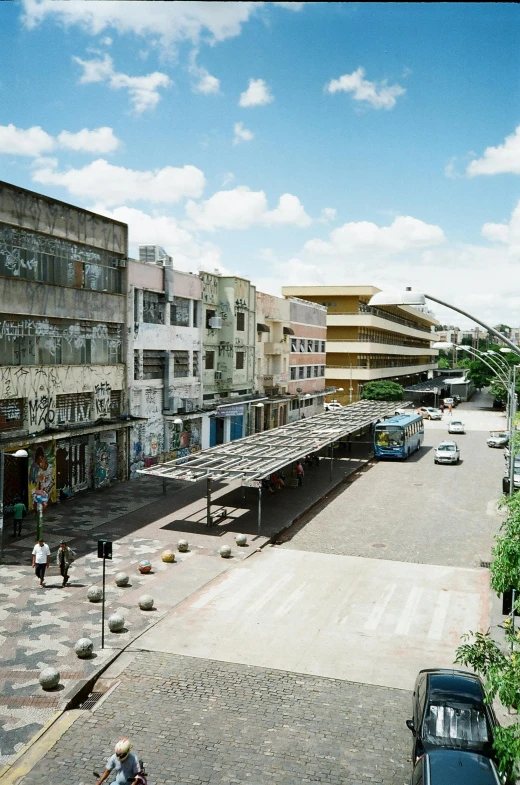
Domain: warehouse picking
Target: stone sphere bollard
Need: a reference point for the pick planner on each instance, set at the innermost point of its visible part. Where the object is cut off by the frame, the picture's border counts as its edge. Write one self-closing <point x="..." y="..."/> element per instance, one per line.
<point x="241" y="539"/>
<point x="49" y="678"/>
<point x="95" y="594"/>
<point x="144" y="567"/>
<point x="168" y="556"/>
<point x="225" y="551"/>
<point x="116" y="622"/>
<point x="183" y="546"/>
<point x="122" y="579"/>
<point x="84" y="648"/>
<point x="145" y="602"/>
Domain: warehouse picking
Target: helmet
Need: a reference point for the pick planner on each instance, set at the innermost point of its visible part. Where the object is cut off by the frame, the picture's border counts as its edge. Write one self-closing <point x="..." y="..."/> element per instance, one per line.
<point x="123" y="748"/>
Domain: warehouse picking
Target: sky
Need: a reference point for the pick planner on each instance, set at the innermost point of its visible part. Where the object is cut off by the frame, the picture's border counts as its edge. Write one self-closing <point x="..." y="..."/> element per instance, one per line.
<point x="288" y="143"/>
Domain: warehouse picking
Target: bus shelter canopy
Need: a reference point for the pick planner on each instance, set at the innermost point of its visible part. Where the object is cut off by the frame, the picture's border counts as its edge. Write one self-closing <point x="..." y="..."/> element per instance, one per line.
<point x="254" y="457"/>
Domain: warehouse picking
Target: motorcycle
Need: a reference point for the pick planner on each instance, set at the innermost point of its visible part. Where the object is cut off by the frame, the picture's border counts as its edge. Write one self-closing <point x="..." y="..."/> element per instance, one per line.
<point x="140" y="779"/>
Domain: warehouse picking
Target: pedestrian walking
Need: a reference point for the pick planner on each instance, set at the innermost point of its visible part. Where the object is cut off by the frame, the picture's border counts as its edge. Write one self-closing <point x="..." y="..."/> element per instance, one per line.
<point x="41" y="556"/>
<point x="19" y="510"/>
<point x="124" y="764"/>
<point x="299" y="473"/>
<point x="64" y="559"/>
<point x="450" y="408"/>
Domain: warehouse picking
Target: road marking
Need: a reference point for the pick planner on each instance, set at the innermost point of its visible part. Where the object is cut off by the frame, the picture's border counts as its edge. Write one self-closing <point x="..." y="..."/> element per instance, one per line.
<point x="403" y="626"/>
<point x="270" y="593"/>
<point x="292" y="599"/>
<point x="439" y="615"/>
<point x="231" y="578"/>
<point x="380" y="607"/>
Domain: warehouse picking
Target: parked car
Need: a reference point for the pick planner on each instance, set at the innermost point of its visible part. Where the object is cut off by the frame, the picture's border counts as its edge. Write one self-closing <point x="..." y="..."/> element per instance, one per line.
<point x="333" y="406"/>
<point x="447" y="452"/>
<point x="456" y="426"/>
<point x="454" y="767"/>
<point x="457" y="399"/>
<point x="498" y="439"/>
<point x="506" y="482"/>
<point x="429" y="413"/>
<point x="450" y="402"/>
<point x="449" y="712"/>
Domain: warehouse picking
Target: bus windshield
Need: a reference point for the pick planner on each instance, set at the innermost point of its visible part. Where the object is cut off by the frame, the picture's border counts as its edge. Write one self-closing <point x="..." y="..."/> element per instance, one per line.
<point x="389" y="436"/>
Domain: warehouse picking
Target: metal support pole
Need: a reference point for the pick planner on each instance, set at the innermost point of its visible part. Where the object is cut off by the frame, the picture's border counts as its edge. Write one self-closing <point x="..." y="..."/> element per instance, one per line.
<point x="103" y="606"/>
<point x="208" y="501"/>
<point x="243" y="493"/>
<point x="259" y="510"/>
<point x="1" y="502"/>
<point x="39" y="521"/>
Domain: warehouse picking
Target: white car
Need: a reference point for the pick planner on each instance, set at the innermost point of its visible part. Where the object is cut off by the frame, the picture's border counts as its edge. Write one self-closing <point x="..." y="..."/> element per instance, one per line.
<point x="447" y="452"/>
<point x="429" y="413"/>
<point x="498" y="439"/>
<point x="456" y="426"/>
<point x="333" y="406"/>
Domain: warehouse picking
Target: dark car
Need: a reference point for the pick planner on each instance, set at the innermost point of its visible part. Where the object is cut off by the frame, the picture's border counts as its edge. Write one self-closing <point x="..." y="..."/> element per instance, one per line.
<point x="449" y="712"/>
<point x="454" y="767"/>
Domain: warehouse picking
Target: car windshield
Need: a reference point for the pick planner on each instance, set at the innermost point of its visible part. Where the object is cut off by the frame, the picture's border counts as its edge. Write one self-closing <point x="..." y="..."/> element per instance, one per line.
<point x="457" y="726"/>
<point x="446" y="447"/>
<point x="456" y="422"/>
<point x="389" y="436"/>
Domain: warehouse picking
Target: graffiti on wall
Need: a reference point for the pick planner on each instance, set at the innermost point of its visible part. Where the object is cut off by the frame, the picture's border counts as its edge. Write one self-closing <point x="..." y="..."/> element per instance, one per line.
<point x="41" y="411"/>
<point x="102" y="399"/>
<point x="42" y="470"/>
<point x="101" y="464"/>
<point x="186" y="440"/>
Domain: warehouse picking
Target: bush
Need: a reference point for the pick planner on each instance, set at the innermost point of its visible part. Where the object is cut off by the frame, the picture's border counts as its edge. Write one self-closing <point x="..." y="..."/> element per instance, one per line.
<point x="382" y="391"/>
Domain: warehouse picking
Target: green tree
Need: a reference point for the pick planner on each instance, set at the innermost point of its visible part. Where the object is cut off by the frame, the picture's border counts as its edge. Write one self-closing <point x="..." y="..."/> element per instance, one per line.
<point x="443" y="362"/>
<point x="383" y="391"/>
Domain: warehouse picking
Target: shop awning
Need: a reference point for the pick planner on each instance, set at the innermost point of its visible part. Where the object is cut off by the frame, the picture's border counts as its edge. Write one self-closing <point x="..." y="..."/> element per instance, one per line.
<point x="262" y="328"/>
<point x="288" y="331"/>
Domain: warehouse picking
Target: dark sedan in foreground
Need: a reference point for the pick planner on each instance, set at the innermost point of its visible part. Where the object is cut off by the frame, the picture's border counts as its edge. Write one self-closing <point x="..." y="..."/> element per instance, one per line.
<point x="454" y="767"/>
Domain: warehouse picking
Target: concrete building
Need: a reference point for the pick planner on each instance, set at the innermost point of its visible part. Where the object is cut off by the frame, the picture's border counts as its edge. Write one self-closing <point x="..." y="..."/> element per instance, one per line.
<point x="307" y="380"/>
<point x="62" y="373"/>
<point x="228" y="337"/>
<point x="367" y="344"/>
<point x="163" y="362"/>
<point x="154" y="254"/>
<point x="471" y="337"/>
<point x="273" y="329"/>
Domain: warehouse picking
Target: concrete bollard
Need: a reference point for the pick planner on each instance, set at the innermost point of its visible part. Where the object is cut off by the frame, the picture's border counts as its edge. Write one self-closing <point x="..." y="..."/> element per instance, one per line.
<point x="241" y="539"/>
<point x="225" y="551"/>
<point x="168" y="556"/>
<point x="84" y="648"/>
<point x="122" y="579"/>
<point x="183" y="546"/>
<point x="95" y="594"/>
<point x="145" y="602"/>
<point x="49" y="678"/>
<point x="116" y="622"/>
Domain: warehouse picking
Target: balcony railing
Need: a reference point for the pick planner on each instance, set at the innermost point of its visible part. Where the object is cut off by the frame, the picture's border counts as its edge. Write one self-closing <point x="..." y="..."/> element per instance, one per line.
<point x="379" y="339"/>
<point x="374" y="364"/>
<point x="371" y="311"/>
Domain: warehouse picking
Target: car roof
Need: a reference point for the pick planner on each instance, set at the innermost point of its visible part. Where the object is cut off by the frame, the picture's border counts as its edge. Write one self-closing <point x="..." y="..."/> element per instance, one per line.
<point x="466" y="686"/>
<point x="465" y="768"/>
<point x="446" y="442"/>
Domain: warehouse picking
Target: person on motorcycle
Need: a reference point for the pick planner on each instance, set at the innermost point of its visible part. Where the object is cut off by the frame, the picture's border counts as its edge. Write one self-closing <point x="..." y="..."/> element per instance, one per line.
<point x="124" y="764"/>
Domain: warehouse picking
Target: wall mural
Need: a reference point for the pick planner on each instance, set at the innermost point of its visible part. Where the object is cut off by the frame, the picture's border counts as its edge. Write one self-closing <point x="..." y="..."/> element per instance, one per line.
<point x="42" y="470"/>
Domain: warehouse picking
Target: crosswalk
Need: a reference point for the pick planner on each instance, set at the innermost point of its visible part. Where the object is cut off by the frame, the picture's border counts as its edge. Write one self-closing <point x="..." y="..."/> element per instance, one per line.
<point x="345" y="617"/>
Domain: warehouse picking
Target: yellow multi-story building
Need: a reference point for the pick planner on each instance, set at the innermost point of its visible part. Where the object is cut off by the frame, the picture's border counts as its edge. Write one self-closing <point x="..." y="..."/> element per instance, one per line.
<point x="368" y="344"/>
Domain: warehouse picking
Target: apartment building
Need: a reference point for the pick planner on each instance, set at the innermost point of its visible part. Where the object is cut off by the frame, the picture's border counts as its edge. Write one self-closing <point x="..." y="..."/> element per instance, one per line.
<point x="228" y="345"/>
<point x="307" y="358"/>
<point x="62" y="373"/>
<point x="163" y="362"/>
<point x="273" y="328"/>
<point x="367" y="344"/>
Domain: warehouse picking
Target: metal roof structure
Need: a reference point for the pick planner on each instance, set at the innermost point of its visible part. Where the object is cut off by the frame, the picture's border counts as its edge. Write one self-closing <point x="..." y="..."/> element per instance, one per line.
<point x="254" y="457"/>
<point x="432" y="384"/>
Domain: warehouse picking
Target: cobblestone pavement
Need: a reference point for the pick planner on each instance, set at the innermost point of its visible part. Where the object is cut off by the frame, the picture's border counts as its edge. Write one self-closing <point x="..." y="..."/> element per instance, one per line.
<point x="415" y="510"/>
<point x="198" y="721"/>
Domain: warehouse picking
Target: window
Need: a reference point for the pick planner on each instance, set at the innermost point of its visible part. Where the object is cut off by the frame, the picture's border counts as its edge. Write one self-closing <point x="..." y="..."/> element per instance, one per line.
<point x="74" y="408"/>
<point x="301" y="372"/>
<point x="209" y="315"/>
<point x="181" y="364"/>
<point x="316" y="370"/>
<point x="316" y="346"/>
<point x="11" y="414"/>
<point x="310" y="346"/>
<point x="241" y="321"/>
<point x="308" y="402"/>
<point x="322" y="370"/>
<point x="115" y="403"/>
<point x="137" y="365"/>
<point x="180" y="312"/>
<point x="209" y="363"/>
<point x="309" y="371"/>
<point x="295" y="404"/>
<point x="302" y="343"/>
<point x="240" y="361"/>
<point x="153" y="308"/>
<point x="153" y="364"/>
<point x="196" y="363"/>
<point x="323" y="346"/>
<point x="294" y="344"/>
<point x="293" y="373"/>
<point x="196" y="313"/>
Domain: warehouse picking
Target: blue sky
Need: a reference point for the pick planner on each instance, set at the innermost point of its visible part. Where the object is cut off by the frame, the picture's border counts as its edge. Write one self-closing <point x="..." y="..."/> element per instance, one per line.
<point x="312" y="143"/>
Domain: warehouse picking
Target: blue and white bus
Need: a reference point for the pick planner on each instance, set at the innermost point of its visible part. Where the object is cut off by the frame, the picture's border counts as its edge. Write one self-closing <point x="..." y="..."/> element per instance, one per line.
<point x="399" y="436"/>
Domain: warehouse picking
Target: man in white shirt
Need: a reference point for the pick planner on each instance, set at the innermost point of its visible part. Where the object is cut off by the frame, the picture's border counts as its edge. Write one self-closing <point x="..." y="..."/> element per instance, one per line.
<point x="41" y="555"/>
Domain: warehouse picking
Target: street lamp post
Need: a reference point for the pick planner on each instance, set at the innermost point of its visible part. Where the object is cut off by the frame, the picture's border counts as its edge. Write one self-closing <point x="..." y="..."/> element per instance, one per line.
<point x="17" y="454"/>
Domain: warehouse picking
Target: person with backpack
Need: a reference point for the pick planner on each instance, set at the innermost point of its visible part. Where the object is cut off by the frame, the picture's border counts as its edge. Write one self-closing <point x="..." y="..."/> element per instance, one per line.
<point x="64" y="559"/>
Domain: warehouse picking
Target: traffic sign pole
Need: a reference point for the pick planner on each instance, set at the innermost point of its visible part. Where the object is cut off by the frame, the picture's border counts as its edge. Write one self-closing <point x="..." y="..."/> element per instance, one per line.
<point x="104" y="552"/>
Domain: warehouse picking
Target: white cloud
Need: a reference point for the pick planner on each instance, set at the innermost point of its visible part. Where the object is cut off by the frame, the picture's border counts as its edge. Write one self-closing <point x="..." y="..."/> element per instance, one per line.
<point x="404" y="234"/>
<point x="34" y="141"/>
<point x="506" y="233"/>
<point x="111" y="185"/>
<point x="100" y="140"/>
<point x="327" y="215"/>
<point x="257" y="94"/>
<point x="164" y="230"/>
<point x="163" y="21"/>
<point x="497" y="233"/>
<point x="19" y="141"/>
<point x="107" y="41"/>
<point x="228" y="178"/>
<point x="241" y="134"/>
<point x="499" y="160"/>
<point x="143" y="91"/>
<point x="242" y="208"/>
<point x="291" y="6"/>
<point x="206" y="83"/>
<point x="379" y="95"/>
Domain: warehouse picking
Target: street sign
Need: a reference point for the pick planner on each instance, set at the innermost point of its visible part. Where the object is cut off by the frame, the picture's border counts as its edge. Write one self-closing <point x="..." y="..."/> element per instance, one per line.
<point x="104" y="549"/>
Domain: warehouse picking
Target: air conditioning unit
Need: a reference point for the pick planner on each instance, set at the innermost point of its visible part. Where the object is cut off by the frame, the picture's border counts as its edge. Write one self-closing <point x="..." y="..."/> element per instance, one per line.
<point x="215" y="322"/>
<point x="122" y="263"/>
<point x="218" y="375"/>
